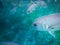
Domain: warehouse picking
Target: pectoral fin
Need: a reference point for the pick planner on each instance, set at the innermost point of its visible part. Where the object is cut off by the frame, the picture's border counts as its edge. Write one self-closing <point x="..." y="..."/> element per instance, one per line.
<point x="52" y="33"/>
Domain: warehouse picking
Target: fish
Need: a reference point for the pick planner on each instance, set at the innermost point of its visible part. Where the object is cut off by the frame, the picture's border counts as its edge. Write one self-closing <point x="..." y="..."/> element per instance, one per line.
<point x="50" y="23"/>
<point x="34" y="5"/>
<point x="31" y="8"/>
<point x="8" y="43"/>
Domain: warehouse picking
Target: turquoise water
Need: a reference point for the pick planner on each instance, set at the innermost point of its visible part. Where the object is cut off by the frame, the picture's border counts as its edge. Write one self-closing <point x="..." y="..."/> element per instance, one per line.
<point x="16" y="25"/>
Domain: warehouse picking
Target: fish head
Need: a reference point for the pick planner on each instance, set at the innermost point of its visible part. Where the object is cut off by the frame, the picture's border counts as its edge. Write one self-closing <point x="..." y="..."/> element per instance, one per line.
<point x="38" y="25"/>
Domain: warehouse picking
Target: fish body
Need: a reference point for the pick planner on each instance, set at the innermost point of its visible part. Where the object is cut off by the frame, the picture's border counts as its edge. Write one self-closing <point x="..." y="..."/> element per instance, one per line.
<point x="34" y="5"/>
<point x="8" y="43"/>
<point x="31" y="8"/>
<point x="50" y="23"/>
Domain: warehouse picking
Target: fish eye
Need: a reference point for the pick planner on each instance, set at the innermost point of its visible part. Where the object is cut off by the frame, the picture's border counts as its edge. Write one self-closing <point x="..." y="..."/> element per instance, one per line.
<point x="35" y="24"/>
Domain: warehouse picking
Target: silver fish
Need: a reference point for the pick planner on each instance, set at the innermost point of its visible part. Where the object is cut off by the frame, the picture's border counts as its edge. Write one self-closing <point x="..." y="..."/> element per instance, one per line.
<point x="8" y="43"/>
<point x="50" y="23"/>
<point x="34" y="5"/>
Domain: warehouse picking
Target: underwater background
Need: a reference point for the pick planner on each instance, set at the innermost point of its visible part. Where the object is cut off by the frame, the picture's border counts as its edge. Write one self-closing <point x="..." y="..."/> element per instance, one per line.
<point x="16" y="24"/>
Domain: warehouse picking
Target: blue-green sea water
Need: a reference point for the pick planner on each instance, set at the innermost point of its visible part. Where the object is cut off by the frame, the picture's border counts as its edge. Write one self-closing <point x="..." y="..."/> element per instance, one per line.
<point x="16" y="24"/>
